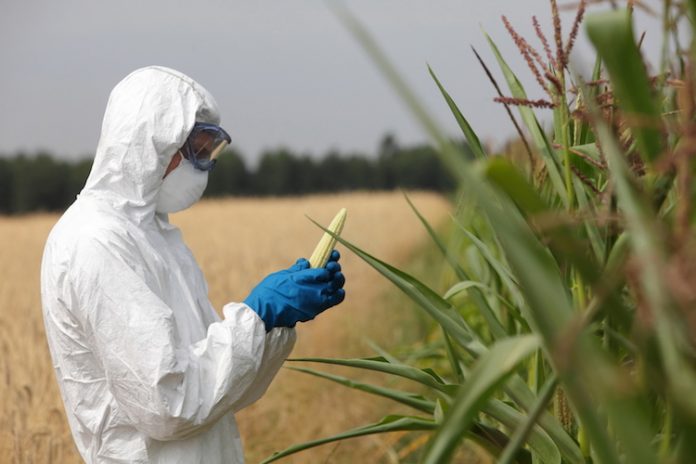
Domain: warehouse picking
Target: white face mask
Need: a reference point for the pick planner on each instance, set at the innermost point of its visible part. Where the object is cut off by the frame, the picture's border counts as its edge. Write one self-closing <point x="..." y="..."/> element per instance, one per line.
<point x="181" y="188"/>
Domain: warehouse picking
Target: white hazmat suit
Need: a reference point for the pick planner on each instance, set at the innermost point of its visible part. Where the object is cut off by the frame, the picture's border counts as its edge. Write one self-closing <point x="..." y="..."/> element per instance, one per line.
<point x="148" y="371"/>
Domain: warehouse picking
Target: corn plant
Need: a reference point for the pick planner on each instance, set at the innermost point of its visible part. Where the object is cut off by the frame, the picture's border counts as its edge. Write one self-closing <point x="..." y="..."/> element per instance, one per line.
<point x="567" y="333"/>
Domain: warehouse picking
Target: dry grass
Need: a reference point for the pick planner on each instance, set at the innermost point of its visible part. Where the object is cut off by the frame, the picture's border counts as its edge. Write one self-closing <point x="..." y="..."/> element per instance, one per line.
<point x="33" y="428"/>
<point x="237" y="242"/>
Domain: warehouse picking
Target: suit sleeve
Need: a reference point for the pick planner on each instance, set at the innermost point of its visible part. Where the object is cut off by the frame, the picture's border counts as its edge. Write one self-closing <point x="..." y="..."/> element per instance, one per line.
<point x="167" y="390"/>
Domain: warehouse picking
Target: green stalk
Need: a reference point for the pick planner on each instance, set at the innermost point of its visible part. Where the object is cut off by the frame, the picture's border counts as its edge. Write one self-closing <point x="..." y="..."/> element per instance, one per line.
<point x="579" y="291"/>
<point x="584" y="442"/>
<point x="666" y="442"/>
<point x="565" y="140"/>
<point x="664" y="59"/>
<point x="532" y="374"/>
<point x="581" y="300"/>
<point x="522" y="433"/>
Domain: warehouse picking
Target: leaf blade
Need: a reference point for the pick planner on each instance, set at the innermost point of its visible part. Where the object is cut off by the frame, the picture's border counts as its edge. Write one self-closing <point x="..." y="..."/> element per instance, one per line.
<point x="490" y="371"/>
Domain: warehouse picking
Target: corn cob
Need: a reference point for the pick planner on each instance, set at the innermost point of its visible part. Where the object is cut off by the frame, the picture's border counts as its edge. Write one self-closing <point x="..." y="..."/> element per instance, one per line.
<point x="323" y="250"/>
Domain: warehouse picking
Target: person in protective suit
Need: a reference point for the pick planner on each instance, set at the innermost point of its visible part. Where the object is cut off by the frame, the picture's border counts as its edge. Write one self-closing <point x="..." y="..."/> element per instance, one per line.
<point x="148" y="371"/>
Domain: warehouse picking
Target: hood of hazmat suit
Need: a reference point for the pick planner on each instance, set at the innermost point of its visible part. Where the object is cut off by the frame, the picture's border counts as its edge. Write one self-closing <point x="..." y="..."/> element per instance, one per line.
<point x="148" y="371"/>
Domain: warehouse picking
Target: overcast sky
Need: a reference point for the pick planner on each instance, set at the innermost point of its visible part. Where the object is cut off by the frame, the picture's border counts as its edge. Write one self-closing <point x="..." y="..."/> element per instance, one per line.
<point x="284" y="72"/>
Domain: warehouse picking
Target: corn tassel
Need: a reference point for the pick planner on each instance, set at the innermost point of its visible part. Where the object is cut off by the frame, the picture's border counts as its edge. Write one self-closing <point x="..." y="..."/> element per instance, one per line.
<point x="327" y="243"/>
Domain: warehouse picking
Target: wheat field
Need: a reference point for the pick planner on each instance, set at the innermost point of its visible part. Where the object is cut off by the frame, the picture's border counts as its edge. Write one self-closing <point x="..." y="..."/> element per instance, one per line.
<point x="237" y="242"/>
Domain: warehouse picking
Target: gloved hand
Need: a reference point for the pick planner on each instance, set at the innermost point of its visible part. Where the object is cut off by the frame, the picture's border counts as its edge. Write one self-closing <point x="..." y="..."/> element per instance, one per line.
<point x="297" y="294"/>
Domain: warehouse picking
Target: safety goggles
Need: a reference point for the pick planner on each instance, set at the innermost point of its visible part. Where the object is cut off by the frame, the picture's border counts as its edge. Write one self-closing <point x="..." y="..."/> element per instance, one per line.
<point x="204" y="145"/>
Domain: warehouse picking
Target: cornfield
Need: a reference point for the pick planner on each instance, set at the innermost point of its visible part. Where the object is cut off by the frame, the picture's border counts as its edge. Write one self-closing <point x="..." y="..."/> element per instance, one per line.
<point x="564" y="332"/>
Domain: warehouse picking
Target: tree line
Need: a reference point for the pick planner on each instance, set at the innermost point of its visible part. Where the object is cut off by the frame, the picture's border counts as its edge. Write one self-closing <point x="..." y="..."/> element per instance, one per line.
<point x="41" y="182"/>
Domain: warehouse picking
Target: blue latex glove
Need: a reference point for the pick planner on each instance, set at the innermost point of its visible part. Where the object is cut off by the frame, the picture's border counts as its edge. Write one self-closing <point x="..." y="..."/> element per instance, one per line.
<point x="298" y="294"/>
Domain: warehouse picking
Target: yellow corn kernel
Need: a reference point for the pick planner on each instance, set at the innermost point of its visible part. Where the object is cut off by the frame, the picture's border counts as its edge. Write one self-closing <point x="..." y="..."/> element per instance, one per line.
<point x="327" y="243"/>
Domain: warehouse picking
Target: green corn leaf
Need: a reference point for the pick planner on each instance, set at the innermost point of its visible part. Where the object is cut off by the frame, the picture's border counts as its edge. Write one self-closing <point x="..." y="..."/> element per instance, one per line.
<point x="409" y="399"/>
<point x="471" y="137"/>
<point x="387" y="424"/>
<point x="496" y="328"/>
<point x="463" y="286"/>
<point x="453" y="358"/>
<point x="534" y="267"/>
<point x="448" y="254"/>
<point x="563" y="240"/>
<point x="592" y="229"/>
<point x="545" y="449"/>
<point x="587" y="159"/>
<point x="498" y="266"/>
<point x="539" y="441"/>
<point x="617" y="312"/>
<point x="611" y="33"/>
<point x="586" y="194"/>
<point x="490" y="371"/>
<point x="487" y="437"/>
<point x="648" y="245"/>
<point x="437" y="307"/>
<point x="521" y="433"/>
<point x="624" y="404"/>
<point x="523" y="396"/>
<point x="423" y="376"/>
<point x="509" y="179"/>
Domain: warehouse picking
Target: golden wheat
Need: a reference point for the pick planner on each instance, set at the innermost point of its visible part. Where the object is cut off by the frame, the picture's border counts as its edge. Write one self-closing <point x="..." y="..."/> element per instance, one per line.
<point x="237" y="242"/>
